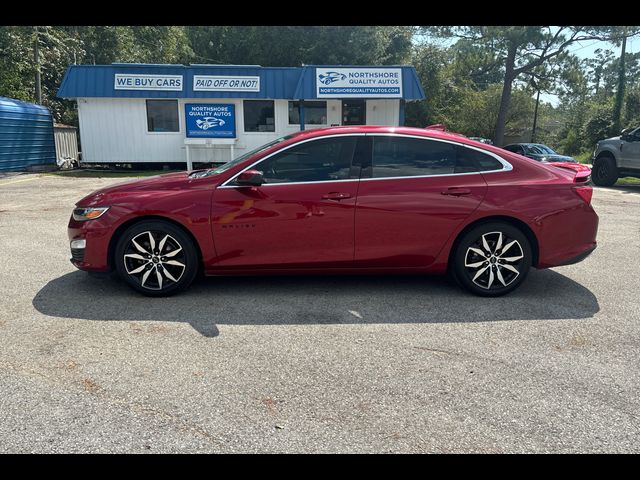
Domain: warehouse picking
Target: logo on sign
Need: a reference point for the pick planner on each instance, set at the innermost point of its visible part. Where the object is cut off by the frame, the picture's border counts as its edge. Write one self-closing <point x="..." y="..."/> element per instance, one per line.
<point x="330" y="77"/>
<point x="208" y="122"/>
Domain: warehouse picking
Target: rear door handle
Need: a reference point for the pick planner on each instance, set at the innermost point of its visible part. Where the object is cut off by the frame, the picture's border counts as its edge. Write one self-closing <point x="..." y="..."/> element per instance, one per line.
<point x="457" y="191"/>
<point x="336" y="195"/>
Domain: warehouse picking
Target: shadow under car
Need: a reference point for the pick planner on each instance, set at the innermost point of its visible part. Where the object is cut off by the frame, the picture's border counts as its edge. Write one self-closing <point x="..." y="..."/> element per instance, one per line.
<point x="302" y="300"/>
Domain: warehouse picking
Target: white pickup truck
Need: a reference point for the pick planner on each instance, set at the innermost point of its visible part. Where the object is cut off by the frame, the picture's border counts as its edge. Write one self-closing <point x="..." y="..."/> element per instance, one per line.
<point x="617" y="157"/>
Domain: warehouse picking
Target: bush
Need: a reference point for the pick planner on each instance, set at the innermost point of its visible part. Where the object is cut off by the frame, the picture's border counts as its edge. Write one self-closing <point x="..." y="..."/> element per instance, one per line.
<point x="599" y="125"/>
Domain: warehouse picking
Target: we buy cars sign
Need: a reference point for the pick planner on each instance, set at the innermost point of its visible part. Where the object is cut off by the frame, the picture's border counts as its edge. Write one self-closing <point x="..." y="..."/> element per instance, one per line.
<point x="210" y="120"/>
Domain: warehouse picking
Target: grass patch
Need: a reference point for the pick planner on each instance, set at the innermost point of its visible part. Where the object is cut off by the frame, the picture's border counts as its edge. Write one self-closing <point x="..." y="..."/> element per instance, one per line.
<point x="628" y="181"/>
<point x="97" y="173"/>
<point x="584" y="157"/>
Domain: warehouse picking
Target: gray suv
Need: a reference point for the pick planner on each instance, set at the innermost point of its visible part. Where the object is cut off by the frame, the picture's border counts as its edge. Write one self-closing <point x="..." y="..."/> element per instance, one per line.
<point x="616" y="157"/>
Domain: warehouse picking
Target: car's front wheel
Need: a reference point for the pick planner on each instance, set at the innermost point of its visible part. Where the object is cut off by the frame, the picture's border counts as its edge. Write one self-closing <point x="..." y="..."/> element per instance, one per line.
<point x="156" y="258"/>
<point x="604" y="172"/>
<point x="492" y="259"/>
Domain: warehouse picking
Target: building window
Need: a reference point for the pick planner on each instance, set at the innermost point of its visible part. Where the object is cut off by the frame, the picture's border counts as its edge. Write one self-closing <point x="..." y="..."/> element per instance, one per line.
<point x="162" y="116"/>
<point x="315" y="113"/>
<point x="259" y="116"/>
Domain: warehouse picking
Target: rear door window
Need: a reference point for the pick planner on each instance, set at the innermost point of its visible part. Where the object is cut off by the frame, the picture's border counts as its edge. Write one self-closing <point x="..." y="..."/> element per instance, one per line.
<point x="411" y="157"/>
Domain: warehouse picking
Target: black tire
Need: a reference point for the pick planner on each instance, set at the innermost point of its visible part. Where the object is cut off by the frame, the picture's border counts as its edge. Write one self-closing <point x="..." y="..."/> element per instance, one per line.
<point x="604" y="172"/>
<point x="152" y="273"/>
<point x="496" y="278"/>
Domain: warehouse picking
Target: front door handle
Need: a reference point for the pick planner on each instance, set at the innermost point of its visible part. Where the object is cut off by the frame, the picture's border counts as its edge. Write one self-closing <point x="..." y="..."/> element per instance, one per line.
<point x="336" y="196"/>
<point x="457" y="191"/>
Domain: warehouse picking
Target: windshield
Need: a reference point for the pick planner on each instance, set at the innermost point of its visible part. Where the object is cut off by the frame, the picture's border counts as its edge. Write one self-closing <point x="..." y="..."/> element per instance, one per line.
<point x="241" y="158"/>
<point x="541" y="149"/>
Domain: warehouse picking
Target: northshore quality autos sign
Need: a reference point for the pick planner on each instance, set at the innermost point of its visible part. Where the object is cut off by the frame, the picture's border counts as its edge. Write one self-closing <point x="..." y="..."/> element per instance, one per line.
<point x="210" y="120"/>
<point x="358" y="82"/>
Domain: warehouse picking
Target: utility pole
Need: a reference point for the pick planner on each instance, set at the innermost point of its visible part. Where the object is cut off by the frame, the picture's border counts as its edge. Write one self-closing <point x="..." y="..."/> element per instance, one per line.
<point x="36" y="58"/>
<point x="617" y="107"/>
<point x="535" y="118"/>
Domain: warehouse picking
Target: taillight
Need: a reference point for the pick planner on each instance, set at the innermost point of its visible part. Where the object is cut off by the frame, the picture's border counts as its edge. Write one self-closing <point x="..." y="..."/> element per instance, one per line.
<point x="585" y="193"/>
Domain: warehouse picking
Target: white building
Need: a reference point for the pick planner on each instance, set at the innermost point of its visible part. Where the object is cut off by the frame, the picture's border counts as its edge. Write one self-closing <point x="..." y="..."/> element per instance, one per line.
<point x="164" y="114"/>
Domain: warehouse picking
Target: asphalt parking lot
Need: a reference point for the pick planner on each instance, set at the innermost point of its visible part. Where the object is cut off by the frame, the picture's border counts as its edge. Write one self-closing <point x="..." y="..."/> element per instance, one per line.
<point x="313" y="364"/>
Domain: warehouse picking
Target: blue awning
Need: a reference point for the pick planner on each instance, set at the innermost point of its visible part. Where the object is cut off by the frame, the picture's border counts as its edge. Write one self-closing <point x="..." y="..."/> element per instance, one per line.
<point x="81" y="81"/>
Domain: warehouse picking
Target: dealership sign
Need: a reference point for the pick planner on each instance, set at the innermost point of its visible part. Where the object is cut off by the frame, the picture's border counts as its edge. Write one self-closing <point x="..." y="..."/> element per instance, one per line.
<point x="225" y="83"/>
<point x="358" y="82"/>
<point x="147" y="82"/>
<point x="210" y="120"/>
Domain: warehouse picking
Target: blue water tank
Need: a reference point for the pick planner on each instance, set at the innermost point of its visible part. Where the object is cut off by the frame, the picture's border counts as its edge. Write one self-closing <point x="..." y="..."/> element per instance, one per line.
<point x="26" y="135"/>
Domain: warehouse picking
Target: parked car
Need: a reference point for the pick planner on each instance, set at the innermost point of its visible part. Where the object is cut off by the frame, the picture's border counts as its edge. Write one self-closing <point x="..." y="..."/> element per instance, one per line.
<point x="617" y="157"/>
<point x="538" y="151"/>
<point x="342" y="200"/>
<point x="543" y="153"/>
<point x="488" y="141"/>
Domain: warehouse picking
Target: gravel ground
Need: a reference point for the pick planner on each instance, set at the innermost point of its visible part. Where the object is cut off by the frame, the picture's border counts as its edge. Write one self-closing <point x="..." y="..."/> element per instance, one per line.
<point x="313" y="364"/>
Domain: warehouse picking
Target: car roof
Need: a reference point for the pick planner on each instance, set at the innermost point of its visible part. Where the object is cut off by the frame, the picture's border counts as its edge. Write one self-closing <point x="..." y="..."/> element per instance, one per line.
<point x="423" y="132"/>
<point x="383" y="129"/>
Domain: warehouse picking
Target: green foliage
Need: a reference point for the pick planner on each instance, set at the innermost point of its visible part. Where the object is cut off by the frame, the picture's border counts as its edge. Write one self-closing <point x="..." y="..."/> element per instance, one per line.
<point x="463" y="80"/>
<point x="632" y="108"/>
<point x="296" y="45"/>
<point x="61" y="46"/>
<point x="599" y="124"/>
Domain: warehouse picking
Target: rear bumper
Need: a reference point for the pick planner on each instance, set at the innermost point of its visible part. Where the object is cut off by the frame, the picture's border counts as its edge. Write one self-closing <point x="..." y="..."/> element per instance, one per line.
<point x="568" y="238"/>
<point x="578" y="258"/>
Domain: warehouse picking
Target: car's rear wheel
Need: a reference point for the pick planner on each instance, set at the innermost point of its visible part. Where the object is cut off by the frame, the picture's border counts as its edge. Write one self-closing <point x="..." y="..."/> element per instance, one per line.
<point x="604" y="172"/>
<point x="492" y="259"/>
<point x="156" y="258"/>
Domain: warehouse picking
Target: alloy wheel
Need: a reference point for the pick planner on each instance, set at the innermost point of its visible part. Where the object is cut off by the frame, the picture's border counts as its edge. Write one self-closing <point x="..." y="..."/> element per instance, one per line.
<point x="155" y="259"/>
<point x="493" y="261"/>
<point x="602" y="171"/>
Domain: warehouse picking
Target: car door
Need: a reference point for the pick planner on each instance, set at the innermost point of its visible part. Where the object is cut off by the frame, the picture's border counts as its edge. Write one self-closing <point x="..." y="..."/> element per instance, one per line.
<point x="418" y="191"/>
<point x="302" y="216"/>
<point x="630" y="150"/>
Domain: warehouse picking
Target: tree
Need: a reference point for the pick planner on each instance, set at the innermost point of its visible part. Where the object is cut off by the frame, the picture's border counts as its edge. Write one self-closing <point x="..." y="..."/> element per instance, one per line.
<point x="296" y="45"/>
<point x="520" y="50"/>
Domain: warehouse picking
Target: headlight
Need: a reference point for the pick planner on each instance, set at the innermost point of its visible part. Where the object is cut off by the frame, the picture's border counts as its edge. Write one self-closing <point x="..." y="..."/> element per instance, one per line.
<point x="83" y="214"/>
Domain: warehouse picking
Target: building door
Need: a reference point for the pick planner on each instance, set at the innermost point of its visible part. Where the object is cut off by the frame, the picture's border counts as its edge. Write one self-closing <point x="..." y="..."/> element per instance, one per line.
<point x="354" y="112"/>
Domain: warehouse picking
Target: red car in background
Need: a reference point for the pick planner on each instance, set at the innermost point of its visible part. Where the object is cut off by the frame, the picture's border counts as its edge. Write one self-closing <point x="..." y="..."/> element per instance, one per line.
<point x="343" y="200"/>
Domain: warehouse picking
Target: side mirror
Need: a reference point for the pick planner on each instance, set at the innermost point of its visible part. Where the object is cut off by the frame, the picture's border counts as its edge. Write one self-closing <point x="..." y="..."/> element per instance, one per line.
<point x="250" y="178"/>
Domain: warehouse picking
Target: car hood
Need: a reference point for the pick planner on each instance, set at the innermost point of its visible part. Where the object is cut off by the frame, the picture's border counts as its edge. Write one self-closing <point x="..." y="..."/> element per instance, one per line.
<point x="166" y="182"/>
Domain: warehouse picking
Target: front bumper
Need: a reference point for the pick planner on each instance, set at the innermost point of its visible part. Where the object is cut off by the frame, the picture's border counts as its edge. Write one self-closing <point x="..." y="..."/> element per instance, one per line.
<point x="94" y="257"/>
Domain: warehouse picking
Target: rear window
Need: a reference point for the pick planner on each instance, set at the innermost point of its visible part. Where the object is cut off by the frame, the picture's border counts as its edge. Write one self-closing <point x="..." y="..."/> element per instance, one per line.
<point x="483" y="161"/>
<point x="414" y="157"/>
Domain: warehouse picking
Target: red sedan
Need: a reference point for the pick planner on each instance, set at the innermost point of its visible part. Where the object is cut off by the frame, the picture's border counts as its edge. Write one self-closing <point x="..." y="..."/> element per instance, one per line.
<point x="343" y="200"/>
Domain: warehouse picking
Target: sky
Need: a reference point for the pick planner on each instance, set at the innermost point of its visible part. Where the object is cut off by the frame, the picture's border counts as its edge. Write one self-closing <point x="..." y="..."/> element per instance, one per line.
<point x="586" y="50"/>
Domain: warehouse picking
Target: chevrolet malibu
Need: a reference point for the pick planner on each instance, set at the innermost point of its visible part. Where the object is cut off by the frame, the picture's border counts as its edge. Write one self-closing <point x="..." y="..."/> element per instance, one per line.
<point x="343" y="200"/>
